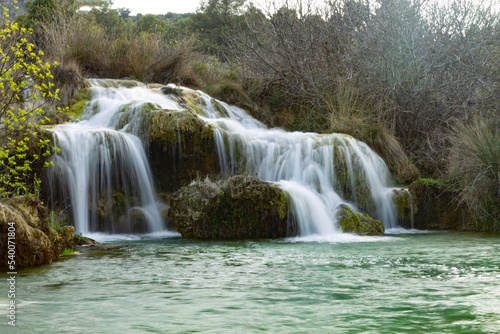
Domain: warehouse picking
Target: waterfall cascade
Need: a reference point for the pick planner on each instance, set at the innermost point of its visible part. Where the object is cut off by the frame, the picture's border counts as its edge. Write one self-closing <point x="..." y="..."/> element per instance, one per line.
<point x="103" y="156"/>
<point x="320" y="171"/>
<point x="102" y="170"/>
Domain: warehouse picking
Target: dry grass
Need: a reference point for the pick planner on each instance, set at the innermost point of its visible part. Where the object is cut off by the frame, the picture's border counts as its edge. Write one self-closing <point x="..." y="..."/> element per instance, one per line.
<point x="143" y="56"/>
<point x="475" y="165"/>
<point x="356" y="115"/>
<point x="78" y="41"/>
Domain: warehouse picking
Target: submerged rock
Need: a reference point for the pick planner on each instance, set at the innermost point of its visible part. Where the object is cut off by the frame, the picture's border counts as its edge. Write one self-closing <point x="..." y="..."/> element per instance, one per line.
<point x="351" y="221"/>
<point x="35" y="241"/>
<point x="242" y="207"/>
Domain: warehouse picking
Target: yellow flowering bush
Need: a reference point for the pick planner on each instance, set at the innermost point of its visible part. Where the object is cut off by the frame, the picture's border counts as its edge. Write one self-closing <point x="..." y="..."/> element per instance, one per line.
<point x="25" y="88"/>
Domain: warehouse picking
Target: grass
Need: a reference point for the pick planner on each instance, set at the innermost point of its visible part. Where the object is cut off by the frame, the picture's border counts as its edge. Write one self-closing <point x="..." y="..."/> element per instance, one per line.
<point x="475" y="165"/>
<point x="68" y="252"/>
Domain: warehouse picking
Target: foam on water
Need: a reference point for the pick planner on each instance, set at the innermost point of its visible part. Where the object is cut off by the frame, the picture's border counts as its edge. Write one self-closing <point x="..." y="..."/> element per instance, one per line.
<point x="107" y="237"/>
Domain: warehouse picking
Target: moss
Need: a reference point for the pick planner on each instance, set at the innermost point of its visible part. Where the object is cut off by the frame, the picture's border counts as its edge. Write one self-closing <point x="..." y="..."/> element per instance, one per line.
<point x="406" y="206"/>
<point x="437" y="206"/>
<point x="79" y="103"/>
<point x="283" y="205"/>
<point x="239" y="208"/>
<point x="362" y="224"/>
<point x="167" y="124"/>
<point x="36" y="242"/>
<point x="430" y="183"/>
<point x="194" y="102"/>
<point x="219" y="108"/>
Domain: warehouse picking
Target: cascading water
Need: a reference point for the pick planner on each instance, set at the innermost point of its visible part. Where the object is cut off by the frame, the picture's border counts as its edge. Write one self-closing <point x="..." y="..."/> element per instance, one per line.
<point x="102" y="171"/>
<point x="320" y="172"/>
<point x="102" y="162"/>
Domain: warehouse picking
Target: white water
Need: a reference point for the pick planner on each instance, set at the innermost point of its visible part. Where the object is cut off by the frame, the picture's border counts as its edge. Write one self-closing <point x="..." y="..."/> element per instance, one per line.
<point x="306" y="165"/>
<point x="320" y="172"/>
<point x="103" y="153"/>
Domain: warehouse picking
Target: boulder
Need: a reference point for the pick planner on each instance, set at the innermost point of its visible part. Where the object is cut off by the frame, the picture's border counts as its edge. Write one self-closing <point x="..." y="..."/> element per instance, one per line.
<point x="406" y="207"/>
<point x="351" y="221"/>
<point x="35" y="241"/>
<point x="241" y="207"/>
<point x="181" y="149"/>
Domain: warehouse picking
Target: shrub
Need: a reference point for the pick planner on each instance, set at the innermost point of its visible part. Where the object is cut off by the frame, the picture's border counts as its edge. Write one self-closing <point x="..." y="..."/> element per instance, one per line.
<point x="475" y="165"/>
<point x="25" y="87"/>
<point x="80" y="41"/>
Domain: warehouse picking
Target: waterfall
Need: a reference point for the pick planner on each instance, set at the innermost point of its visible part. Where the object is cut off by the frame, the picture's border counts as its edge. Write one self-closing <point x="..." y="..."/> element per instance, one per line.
<point x="319" y="171"/>
<point x="101" y="170"/>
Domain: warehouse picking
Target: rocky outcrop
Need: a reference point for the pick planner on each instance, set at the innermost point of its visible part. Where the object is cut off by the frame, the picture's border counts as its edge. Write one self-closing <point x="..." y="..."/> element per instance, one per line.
<point x="351" y="221"/>
<point x="241" y="207"/>
<point x="406" y="207"/>
<point x="35" y="241"/>
<point x="181" y="148"/>
<point x="435" y="207"/>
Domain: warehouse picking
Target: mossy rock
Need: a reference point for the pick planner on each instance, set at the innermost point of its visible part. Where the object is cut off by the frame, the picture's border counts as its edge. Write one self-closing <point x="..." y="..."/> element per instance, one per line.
<point x="351" y="221"/>
<point x="78" y="104"/>
<point x="35" y="242"/>
<point x="241" y="207"/>
<point x="181" y="148"/>
<point x="438" y="206"/>
<point x="406" y="206"/>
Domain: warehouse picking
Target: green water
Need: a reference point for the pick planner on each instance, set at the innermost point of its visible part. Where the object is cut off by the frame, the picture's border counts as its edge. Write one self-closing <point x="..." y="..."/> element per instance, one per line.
<point x="416" y="283"/>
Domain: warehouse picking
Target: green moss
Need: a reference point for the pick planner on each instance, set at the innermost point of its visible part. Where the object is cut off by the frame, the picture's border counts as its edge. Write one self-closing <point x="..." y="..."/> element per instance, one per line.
<point x="362" y="224"/>
<point x="404" y="203"/>
<point x="78" y="105"/>
<point x="283" y="205"/>
<point x="220" y="109"/>
<point x="429" y="182"/>
<point x="68" y="251"/>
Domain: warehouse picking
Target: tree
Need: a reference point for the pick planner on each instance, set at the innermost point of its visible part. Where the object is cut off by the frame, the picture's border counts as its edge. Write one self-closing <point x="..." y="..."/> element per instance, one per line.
<point x="213" y="19"/>
<point x="151" y="23"/>
<point x="25" y="85"/>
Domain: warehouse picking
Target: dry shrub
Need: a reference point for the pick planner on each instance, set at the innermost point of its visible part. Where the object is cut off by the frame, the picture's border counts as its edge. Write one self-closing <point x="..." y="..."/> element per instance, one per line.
<point x="172" y="64"/>
<point x="78" y="41"/>
<point x="146" y="57"/>
<point x="360" y="117"/>
<point x="221" y="80"/>
<point x="69" y="80"/>
<point x="475" y="165"/>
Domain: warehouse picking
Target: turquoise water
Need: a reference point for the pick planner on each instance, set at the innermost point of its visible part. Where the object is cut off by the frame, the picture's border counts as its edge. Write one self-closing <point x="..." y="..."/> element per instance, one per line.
<point x="407" y="283"/>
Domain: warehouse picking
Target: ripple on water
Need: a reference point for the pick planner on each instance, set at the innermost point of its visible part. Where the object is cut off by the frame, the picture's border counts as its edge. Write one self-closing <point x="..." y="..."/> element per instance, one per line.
<point x="433" y="282"/>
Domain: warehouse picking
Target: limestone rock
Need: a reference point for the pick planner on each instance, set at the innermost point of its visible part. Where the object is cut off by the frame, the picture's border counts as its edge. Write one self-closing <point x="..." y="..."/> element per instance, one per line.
<point x="35" y="242"/>
<point x="353" y="222"/>
<point x="438" y="208"/>
<point x="242" y="207"/>
<point x="181" y="149"/>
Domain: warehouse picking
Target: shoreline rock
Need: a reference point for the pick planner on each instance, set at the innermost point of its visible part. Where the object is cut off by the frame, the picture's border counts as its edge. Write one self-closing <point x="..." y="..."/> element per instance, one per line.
<point x="36" y="242"/>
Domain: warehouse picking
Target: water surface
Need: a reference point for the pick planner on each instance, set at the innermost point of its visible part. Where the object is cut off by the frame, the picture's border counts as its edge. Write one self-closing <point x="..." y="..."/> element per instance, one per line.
<point x="403" y="283"/>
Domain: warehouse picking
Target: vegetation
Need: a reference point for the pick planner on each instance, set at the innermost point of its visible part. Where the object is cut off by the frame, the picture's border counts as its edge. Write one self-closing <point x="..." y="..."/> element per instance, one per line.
<point x="25" y="86"/>
<point x="475" y="165"/>
<point x="408" y="77"/>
